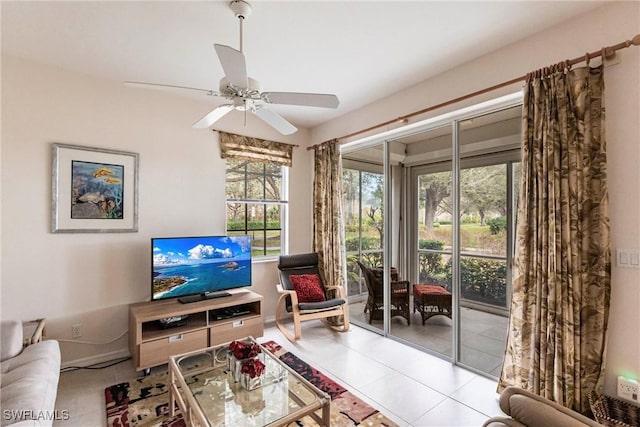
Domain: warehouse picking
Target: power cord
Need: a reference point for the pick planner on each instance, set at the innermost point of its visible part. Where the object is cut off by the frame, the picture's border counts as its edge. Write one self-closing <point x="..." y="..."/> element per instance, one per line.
<point x="96" y="366"/>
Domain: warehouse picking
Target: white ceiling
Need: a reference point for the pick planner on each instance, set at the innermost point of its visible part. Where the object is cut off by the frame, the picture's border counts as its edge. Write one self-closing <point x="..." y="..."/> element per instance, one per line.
<point x="359" y="50"/>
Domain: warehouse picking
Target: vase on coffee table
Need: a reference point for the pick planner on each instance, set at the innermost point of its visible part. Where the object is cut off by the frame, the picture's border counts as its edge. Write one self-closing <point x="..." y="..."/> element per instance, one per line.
<point x="241" y="353"/>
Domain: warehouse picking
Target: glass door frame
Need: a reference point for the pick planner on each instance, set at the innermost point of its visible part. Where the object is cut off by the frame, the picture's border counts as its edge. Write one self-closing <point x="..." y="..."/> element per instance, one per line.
<point x="453" y="119"/>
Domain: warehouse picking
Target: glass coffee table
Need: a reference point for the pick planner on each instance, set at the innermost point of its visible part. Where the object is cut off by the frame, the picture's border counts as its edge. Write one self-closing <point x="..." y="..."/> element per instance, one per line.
<point x="207" y="394"/>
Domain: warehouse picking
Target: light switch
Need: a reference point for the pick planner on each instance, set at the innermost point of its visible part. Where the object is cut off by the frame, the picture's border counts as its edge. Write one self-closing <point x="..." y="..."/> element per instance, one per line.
<point x="628" y="258"/>
<point x="623" y="257"/>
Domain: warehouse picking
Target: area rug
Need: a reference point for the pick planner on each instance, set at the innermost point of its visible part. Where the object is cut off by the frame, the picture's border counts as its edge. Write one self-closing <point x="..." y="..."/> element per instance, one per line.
<point x="144" y="401"/>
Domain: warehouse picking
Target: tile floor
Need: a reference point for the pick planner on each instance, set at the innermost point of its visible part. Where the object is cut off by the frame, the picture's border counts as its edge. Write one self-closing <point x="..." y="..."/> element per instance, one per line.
<point x="483" y="335"/>
<point x="411" y="387"/>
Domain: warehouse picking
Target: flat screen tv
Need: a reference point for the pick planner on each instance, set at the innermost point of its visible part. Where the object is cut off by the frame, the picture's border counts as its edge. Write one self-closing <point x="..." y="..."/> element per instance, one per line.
<point x="196" y="268"/>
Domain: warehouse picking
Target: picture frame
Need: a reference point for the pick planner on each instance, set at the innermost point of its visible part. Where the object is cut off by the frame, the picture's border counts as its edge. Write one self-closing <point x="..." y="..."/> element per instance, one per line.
<point x="93" y="190"/>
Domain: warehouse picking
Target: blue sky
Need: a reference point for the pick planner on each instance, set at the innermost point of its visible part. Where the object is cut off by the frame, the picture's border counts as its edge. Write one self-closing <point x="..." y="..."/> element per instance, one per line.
<point x="193" y="250"/>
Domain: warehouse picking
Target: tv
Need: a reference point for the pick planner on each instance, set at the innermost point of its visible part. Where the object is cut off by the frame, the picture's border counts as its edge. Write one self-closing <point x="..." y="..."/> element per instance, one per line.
<point x="196" y="268"/>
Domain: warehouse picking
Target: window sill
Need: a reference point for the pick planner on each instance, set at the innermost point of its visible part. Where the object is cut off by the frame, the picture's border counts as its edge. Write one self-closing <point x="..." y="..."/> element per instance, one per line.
<point x="263" y="260"/>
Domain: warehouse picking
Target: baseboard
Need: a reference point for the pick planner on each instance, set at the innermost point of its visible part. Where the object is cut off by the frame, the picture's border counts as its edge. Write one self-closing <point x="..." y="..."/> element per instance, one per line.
<point x="99" y="358"/>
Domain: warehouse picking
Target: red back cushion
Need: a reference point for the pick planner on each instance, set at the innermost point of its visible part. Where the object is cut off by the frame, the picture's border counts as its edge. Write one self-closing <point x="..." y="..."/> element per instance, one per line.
<point x="308" y="287"/>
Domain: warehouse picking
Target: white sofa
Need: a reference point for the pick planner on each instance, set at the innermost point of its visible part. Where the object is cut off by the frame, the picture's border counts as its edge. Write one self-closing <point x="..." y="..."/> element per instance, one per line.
<point x="30" y="370"/>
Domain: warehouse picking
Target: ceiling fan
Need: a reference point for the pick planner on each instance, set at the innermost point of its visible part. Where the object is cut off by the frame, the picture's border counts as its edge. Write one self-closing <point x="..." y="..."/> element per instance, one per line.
<point x="243" y="92"/>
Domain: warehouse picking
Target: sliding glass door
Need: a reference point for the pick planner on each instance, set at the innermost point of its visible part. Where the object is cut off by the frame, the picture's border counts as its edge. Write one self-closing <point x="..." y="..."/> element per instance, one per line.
<point x="363" y="212"/>
<point x="462" y="220"/>
<point x="435" y="207"/>
<point x="486" y="215"/>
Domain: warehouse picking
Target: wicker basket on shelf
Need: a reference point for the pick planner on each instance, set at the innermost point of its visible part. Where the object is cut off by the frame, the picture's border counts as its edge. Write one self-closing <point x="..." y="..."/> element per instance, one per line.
<point x="613" y="412"/>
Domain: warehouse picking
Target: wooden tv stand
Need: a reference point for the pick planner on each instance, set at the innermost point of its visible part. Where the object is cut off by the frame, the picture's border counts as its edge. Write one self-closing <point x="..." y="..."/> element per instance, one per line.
<point x="210" y="322"/>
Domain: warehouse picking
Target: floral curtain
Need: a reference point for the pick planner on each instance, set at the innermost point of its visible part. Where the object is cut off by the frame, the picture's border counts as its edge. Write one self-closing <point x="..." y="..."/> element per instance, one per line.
<point x="241" y="147"/>
<point x="328" y="240"/>
<point x="562" y="271"/>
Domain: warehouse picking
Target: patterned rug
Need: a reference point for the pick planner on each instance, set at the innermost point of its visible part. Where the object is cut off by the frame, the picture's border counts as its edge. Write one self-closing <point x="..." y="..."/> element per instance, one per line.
<point x="144" y="402"/>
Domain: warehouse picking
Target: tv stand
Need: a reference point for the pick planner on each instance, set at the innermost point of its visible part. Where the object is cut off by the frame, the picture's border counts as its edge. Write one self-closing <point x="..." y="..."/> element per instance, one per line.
<point x="210" y="322"/>
<point x="203" y="296"/>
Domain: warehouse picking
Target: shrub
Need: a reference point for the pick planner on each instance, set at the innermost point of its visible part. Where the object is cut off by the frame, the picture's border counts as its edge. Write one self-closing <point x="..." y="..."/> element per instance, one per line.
<point x="431" y="244"/>
<point x="252" y="225"/>
<point x="497" y="224"/>
<point x="482" y="280"/>
<point x="353" y="244"/>
<point x="470" y="219"/>
<point x="430" y="264"/>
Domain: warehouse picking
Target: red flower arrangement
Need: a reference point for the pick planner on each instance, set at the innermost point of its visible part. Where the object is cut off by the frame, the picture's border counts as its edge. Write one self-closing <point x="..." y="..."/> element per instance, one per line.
<point x="253" y="367"/>
<point x="243" y="350"/>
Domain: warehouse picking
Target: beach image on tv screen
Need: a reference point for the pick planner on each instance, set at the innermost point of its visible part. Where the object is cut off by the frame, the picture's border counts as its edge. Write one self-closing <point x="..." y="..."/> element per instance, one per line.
<point x="194" y="265"/>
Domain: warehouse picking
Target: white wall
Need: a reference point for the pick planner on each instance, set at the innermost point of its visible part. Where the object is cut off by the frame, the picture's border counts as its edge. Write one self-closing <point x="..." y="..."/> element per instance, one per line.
<point x="91" y="278"/>
<point x="606" y="26"/>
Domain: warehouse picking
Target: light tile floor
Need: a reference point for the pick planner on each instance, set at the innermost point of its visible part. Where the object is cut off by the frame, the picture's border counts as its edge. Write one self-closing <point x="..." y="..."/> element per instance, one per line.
<point x="409" y="386"/>
<point x="482" y="334"/>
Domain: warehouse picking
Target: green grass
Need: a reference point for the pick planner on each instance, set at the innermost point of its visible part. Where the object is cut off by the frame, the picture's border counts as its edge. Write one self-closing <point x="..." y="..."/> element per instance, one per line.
<point x="472" y="236"/>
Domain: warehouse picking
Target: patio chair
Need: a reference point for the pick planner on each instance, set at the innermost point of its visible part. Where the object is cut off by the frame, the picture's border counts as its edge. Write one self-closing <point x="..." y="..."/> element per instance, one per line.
<point x="304" y="294"/>
<point x="373" y="278"/>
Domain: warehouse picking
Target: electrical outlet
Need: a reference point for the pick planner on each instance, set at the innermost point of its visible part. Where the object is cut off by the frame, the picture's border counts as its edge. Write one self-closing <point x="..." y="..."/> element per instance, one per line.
<point x="628" y="389"/>
<point x="76" y="331"/>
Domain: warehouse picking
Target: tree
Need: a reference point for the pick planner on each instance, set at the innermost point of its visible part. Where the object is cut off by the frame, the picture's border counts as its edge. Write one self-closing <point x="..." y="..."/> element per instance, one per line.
<point x="376" y="220"/>
<point x="434" y="188"/>
<point x="250" y="180"/>
<point x="484" y="190"/>
<point x="372" y="201"/>
<point x="350" y="191"/>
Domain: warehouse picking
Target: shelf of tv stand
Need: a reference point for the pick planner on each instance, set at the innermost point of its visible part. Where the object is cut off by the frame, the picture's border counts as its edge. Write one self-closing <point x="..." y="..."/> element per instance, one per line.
<point x="151" y="343"/>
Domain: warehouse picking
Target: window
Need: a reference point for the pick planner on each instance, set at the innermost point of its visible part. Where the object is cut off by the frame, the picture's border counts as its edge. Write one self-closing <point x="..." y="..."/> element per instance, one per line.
<point x="257" y="205"/>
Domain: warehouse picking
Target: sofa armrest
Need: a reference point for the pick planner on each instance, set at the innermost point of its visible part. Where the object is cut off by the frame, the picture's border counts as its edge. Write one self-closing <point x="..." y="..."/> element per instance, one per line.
<point x="12" y="339"/>
<point x="11" y="335"/>
<point x="38" y="333"/>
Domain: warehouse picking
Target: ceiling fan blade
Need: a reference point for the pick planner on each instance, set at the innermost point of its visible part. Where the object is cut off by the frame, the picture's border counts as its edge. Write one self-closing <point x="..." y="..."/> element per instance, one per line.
<point x="275" y="120"/>
<point x="304" y="99"/>
<point x="213" y="116"/>
<point x="145" y="85"/>
<point x="233" y="64"/>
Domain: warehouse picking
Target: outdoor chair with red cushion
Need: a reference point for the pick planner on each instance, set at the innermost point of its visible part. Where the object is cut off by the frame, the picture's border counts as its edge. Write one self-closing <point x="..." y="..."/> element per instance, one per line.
<point x="304" y="294"/>
<point x="373" y="278"/>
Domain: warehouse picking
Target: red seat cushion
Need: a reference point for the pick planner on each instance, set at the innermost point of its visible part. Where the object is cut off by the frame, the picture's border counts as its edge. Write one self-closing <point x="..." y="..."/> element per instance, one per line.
<point x="429" y="289"/>
<point x="308" y="287"/>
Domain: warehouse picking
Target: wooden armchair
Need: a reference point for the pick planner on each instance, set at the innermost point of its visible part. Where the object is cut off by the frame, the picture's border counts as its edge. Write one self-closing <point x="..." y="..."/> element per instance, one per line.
<point x="306" y="297"/>
<point x="375" y="301"/>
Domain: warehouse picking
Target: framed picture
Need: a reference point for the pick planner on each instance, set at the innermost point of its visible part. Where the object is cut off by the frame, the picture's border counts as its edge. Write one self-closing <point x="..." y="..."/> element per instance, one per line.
<point x="93" y="190"/>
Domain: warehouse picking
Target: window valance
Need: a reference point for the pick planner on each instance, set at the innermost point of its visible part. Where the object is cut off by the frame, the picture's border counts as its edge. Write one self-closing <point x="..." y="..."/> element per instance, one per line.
<point x="241" y="147"/>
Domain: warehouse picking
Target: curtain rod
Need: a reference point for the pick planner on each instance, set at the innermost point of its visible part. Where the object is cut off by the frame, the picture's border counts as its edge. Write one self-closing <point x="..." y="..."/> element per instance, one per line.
<point x="607" y="52"/>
